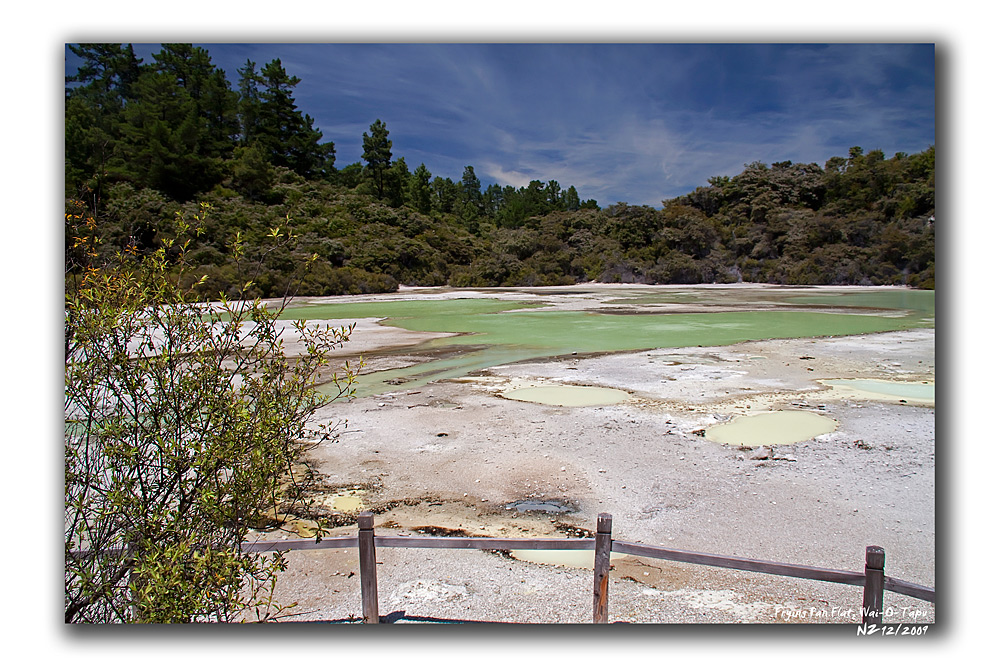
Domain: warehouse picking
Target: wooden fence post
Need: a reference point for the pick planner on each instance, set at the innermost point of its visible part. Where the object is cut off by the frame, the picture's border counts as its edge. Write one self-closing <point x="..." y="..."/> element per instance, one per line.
<point x="874" y="585"/>
<point x="366" y="555"/>
<point x="602" y="567"/>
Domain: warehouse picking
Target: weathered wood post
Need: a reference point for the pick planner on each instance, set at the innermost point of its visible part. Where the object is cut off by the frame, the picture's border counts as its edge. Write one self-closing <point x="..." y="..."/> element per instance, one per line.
<point x="366" y="555"/>
<point x="602" y="567"/>
<point x="874" y="585"/>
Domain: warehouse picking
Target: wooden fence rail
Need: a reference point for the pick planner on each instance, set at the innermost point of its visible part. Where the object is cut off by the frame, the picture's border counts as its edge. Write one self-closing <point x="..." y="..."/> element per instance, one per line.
<point x="873" y="579"/>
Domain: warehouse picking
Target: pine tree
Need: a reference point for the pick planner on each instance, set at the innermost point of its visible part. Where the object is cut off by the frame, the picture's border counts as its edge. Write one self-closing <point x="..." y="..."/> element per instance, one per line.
<point x="378" y="154"/>
<point x="420" y="188"/>
<point x="249" y="103"/>
<point x="472" y="188"/>
<point x="103" y="84"/>
<point x="285" y="133"/>
<point x="182" y="123"/>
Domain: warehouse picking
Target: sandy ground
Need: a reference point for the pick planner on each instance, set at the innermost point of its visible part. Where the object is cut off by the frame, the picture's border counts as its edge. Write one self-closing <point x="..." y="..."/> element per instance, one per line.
<point x="449" y="458"/>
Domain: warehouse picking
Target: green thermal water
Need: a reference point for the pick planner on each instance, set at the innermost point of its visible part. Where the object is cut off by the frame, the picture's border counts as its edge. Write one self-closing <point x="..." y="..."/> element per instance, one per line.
<point x="919" y="302"/>
<point x="496" y="332"/>
<point x="916" y="391"/>
<point x="405" y="310"/>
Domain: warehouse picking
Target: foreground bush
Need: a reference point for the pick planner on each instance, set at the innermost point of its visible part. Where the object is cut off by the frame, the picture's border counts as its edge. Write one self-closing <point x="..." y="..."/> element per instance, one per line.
<point x="182" y="424"/>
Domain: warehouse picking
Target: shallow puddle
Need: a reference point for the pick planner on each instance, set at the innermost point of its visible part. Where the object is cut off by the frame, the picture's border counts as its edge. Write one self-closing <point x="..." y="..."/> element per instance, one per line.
<point x="772" y="428"/>
<point x="344" y="501"/>
<point x="583" y="558"/>
<point x="568" y="396"/>
<point x="547" y="506"/>
<point x="919" y="393"/>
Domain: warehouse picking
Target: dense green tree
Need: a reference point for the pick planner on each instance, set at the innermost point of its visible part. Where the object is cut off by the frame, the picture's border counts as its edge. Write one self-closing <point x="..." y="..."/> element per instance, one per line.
<point x="173" y="124"/>
<point x="215" y="103"/>
<point x="284" y="132"/>
<point x="162" y="133"/>
<point x="492" y="200"/>
<point x="534" y="197"/>
<point x="397" y="177"/>
<point x="554" y="196"/>
<point x="446" y="193"/>
<point x="349" y="176"/>
<point x="96" y="96"/>
<point x="472" y="188"/>
<point x="377" y="153"/>
<point x="571" y="200"/>
<point x="250" y="84"/>
<point x="106" y="70"/>
<point x="253" y="175"/>
<point x="420" y="189"/>
<point x="180" y="128"/>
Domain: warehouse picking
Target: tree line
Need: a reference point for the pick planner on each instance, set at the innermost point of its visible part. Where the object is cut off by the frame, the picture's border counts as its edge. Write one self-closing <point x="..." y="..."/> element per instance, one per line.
<point x="145" y="141"/>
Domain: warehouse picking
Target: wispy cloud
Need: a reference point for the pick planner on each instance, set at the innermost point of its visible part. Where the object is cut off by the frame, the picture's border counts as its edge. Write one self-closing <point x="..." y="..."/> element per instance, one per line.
<point x="621" y="122"/>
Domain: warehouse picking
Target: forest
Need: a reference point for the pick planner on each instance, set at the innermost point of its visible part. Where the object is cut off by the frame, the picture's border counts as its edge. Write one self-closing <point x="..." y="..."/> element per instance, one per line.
<point x="147" y="143"/>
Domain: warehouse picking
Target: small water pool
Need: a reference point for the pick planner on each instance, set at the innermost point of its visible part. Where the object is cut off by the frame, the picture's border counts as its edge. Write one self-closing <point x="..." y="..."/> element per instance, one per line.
<point x="546" y="506"/>
<point x="344" y="501"/>
<point x="569" y="396"/>
<point x="921" y="393"/>
<point x="783" y="427"/>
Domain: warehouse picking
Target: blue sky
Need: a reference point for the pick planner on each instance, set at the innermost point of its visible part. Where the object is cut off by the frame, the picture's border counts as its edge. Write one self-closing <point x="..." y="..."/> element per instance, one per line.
<point x="622" y="122"/>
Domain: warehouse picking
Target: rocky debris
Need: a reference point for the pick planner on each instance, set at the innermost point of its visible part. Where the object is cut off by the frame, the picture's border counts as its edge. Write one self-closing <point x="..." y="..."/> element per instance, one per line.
<point x="761" y="453"/>
<point x="422" y="590"/>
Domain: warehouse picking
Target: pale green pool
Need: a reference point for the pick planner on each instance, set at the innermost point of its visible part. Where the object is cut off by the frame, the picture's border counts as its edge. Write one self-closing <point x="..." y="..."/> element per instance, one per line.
<point x="921" y="393"/>
<point x="502" y="331"/>
<point x="568" y="396"/>
<point x="772" y="428"/>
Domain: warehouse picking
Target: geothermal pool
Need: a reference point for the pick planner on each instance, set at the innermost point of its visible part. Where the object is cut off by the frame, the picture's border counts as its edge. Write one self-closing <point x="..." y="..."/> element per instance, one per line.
<point x="567" y="396"/>
<point x="918" y="393"/>
<point x="497" y="327"/>
<point x="782" y="427"/>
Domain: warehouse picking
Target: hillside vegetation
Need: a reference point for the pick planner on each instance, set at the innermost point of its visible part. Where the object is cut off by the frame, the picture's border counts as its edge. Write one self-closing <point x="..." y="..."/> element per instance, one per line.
<point x="145" y="141"/>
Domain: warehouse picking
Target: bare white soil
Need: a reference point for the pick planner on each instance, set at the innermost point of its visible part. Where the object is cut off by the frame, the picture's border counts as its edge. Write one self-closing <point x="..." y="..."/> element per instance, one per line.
<point x="453" y="455"/>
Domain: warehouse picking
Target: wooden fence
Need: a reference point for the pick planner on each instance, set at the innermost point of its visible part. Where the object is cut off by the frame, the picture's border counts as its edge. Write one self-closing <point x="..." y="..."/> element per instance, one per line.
<point x="873" y="579"/>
